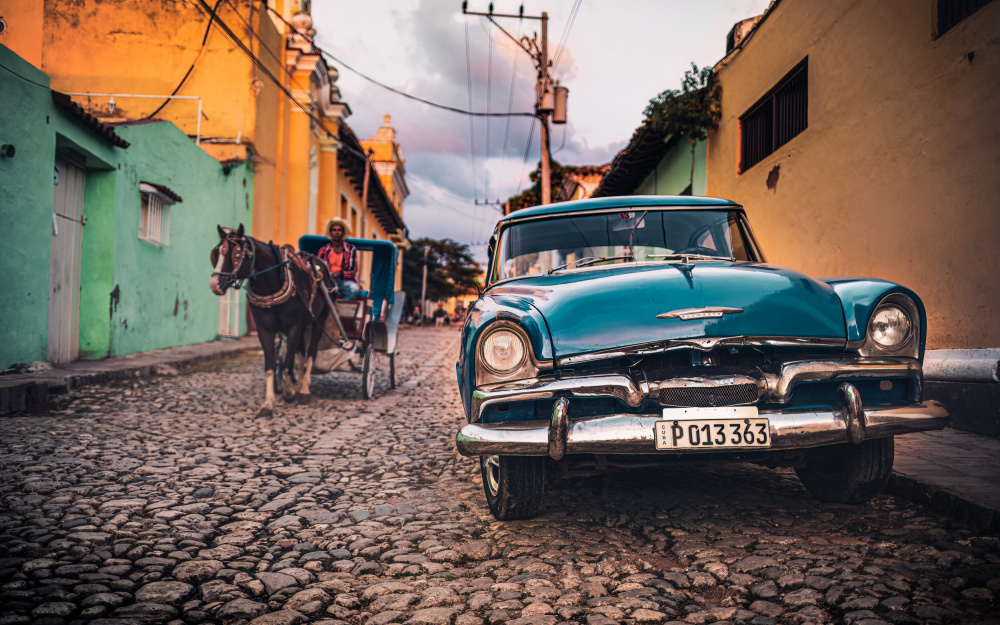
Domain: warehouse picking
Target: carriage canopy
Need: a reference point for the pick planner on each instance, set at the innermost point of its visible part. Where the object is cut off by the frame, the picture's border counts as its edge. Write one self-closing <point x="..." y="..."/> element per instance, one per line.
<point x="383" y="272"/>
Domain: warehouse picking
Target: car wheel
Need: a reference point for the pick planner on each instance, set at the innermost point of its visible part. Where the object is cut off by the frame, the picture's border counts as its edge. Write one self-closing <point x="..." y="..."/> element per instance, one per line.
<point x="848" y="473"/>
<point x="513" y="485"/>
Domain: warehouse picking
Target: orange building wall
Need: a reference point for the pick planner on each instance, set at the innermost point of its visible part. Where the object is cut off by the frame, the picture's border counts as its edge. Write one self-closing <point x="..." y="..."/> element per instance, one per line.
<point x="896" y="175"/>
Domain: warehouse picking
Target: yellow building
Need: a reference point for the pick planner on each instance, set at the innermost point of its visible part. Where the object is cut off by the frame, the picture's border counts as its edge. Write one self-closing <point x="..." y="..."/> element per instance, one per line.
<point x="862" y="138"/>
<point x="246" y="84"/>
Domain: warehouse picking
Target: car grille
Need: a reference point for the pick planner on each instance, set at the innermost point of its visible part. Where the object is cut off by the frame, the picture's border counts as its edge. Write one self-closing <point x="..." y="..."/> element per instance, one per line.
<point x="659" y="365"/>
<point x="709" y="396"/>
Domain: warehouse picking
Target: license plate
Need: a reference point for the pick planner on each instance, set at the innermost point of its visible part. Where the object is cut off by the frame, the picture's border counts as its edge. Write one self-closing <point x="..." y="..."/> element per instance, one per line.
<point x="736" y="427"/>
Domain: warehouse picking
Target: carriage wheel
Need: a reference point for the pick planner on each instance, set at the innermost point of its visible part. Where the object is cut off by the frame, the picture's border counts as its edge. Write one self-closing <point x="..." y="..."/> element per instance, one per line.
<point x="368" y="371"/>
<point x="392" y="370"/>
<point x="280" y="351"/>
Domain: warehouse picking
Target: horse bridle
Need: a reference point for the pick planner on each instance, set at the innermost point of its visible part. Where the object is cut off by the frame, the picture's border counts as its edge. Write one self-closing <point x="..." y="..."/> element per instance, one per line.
<point x="240" y="254"/>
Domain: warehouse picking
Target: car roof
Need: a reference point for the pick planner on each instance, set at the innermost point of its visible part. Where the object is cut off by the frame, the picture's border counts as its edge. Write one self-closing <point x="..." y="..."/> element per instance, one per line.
<point x="622" y="201"/>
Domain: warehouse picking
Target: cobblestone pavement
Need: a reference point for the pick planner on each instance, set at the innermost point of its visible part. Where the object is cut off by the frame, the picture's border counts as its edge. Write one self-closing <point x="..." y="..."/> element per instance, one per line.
<point x="165" y="501"/>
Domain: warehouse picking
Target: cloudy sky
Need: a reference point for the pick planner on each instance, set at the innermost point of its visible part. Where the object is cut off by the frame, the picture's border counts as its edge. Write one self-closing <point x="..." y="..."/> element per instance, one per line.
<point x="617" y="55"/>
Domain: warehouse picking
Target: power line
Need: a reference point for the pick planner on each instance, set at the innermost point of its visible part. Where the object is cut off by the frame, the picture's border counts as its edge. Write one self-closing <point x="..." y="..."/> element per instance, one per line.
<point x="26" y="79"/>
<point x="444" y="107"/>
<point x="468" y="83"/>
<point x="263" y="68"/>
<point x="563" y="144"/>
<point x="565" y="36"/>
<point x="204" y="40"/>
<point x="280" y="62"/>
<point x="527" y="147"/>
<point x="510" y="104"/>
<point x="489" y="107"/>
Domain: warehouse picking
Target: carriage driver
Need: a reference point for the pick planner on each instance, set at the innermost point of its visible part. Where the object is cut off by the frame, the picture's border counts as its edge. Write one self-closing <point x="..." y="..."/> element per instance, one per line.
<point x="341" y="257"/>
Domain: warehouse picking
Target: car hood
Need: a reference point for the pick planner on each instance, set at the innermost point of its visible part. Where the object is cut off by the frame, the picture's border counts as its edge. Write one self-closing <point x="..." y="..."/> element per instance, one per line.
<point x="606" y="308"/>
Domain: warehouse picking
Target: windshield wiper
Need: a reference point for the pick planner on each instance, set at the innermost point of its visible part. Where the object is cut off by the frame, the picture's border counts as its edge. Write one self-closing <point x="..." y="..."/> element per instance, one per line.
<point x="686" y="257"/>
<point x="588" y="260"/>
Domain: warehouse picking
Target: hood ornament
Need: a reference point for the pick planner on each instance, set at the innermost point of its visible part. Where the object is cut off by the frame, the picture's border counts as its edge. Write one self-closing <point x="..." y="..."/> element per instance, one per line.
<point x="708" y="312"/>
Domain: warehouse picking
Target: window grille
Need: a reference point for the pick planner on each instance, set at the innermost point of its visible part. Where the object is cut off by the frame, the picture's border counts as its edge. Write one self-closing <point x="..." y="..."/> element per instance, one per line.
<point x="154" y="216"/>
<point x="951" y="12"/>
<point x="775" y="118"/>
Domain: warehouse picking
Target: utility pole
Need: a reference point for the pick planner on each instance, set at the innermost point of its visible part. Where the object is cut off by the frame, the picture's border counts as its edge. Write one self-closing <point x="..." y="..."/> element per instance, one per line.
<point x="423" y="287"/>
<point x="543" y="108"/>
<point x="545" y="97"/>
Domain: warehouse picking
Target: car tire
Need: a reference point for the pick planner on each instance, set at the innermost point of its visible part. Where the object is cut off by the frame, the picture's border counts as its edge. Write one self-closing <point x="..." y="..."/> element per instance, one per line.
<point x="848" y="473"/>
<point x="513" y="485"/>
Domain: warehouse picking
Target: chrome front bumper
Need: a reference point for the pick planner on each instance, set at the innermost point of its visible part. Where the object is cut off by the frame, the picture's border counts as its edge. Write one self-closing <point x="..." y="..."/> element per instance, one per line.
<point x="773" y="388"/>
<point x="633" y="434"/>
<point x="628" y="433"/>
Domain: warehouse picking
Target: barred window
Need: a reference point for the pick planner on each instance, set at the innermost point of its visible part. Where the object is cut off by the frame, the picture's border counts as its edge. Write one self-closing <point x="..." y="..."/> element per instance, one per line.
<point x="951" y="12"/>
<point x="777" y="117"/>
<point x="154" y="215"/>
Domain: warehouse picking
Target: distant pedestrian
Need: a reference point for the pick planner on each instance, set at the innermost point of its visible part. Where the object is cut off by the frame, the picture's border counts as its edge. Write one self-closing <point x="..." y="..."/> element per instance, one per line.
<point x="439" y="316"/>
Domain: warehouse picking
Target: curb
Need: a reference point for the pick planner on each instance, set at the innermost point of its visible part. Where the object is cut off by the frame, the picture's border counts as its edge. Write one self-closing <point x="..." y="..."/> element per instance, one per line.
<point x="33" y="391"/>
<point x="938" y="499"/>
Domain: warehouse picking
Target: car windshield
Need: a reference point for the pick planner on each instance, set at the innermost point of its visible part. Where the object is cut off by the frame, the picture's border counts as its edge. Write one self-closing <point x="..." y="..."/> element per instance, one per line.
<point x="634" y="235"/>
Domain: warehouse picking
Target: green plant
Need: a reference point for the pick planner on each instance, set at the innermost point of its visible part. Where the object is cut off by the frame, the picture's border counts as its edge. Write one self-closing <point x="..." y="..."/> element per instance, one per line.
<point x="532" y="196"/>
<point x="451" y="270"/>
<point x="690" y="111"/>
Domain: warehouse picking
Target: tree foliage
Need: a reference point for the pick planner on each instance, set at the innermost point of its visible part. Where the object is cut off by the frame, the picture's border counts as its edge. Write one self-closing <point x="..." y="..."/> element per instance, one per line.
<point x="690" y="111"/>
<point x="451" y="270"/>
<point x="532" y="196"/>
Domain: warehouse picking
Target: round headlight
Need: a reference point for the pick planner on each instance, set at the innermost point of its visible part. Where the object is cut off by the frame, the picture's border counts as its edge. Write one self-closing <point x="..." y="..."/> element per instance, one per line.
<point x="890" y="327"/>
<point x="503" y="351"/>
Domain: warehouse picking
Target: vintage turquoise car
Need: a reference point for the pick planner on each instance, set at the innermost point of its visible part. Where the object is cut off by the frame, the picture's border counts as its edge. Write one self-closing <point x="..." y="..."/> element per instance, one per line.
<point x="634" y="331"/>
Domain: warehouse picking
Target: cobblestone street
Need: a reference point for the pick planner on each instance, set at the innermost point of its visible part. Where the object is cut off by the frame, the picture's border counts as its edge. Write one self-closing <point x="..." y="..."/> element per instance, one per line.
<point x="165" y="500"/>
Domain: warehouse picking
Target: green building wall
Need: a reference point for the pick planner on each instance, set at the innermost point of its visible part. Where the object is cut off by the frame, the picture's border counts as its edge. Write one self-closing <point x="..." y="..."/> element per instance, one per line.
<point x="134" y="296"/>
<point x="40" y="132"/>
<point x="155" y="296"/>
<point x="26" y="199"/>
<point x="672" y="174"/>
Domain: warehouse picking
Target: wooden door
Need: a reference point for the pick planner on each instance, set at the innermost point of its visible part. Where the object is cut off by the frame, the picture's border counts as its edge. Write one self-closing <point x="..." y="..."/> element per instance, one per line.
<point x="229" y="313"/>
<point x="64" y="267"/>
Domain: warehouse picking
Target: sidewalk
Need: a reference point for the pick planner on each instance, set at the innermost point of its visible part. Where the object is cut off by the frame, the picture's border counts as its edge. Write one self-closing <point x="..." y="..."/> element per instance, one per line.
<point x="32" y="391"/>
<point x="952" y="472"/>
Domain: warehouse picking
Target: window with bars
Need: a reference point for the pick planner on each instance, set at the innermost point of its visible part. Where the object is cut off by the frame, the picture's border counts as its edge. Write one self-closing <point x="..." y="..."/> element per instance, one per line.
<point x="951" y="12"/>
<point x="775" y="118"/>
<point x="154" y="215"/>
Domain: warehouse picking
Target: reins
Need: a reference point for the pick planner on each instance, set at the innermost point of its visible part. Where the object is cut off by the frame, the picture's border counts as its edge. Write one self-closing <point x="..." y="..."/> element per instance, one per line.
<point x="231" y="280"/>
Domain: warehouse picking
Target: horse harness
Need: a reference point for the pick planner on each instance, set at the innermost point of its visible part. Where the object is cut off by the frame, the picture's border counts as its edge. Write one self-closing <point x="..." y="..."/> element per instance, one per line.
<point x="245" y="248"/>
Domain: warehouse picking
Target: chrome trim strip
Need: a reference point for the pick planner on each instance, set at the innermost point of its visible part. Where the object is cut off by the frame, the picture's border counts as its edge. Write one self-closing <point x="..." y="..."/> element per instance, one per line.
<point x="511" y="219"/>
<point x="633" y="434"/>
<point x="706" y="312"/>
<point x="773" y="387"/>
<point x="610" y="385"/>
<point x="704" y="344"/>
<point x="781" y="385"/>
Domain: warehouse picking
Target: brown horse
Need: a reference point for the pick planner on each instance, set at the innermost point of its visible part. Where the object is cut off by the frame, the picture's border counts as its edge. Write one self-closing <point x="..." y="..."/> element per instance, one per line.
<point x="282" y="291"/>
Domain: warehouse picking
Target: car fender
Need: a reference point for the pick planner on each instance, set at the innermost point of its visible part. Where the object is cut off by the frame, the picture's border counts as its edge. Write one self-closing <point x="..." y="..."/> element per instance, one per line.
<point x="482" y="314"/>
<point x="860" y="296"/>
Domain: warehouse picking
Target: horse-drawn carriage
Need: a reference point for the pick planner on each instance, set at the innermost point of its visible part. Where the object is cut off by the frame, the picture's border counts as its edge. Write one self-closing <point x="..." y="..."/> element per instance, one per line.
<point x="290" y="303"/>
<point x="370" y="323"/>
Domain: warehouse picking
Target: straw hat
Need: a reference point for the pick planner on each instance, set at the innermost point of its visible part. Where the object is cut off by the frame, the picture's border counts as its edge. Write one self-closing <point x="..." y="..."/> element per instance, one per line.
<point x="337" y="221"/>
